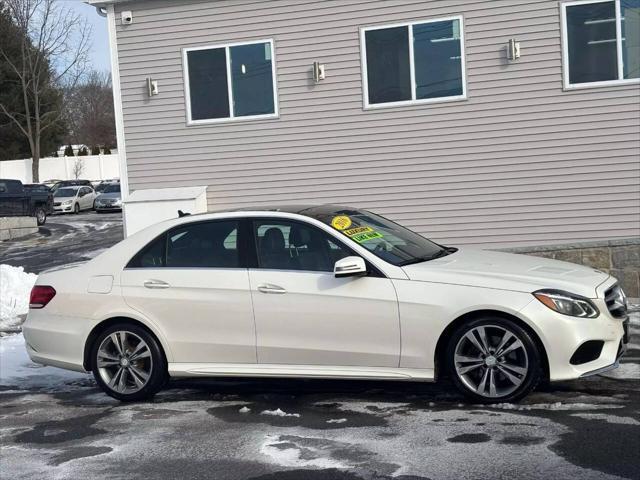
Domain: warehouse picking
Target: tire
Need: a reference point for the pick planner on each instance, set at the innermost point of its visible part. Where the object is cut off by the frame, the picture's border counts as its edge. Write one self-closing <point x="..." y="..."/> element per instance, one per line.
<point x="41" y="215"/>
<point x="481" y="373"/>
<point x="76" y="208"/>
<point x="141" y="362"/>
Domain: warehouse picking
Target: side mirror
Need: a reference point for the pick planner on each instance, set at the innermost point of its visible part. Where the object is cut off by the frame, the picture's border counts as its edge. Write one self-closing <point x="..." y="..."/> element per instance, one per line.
<point x="350" y="267"/>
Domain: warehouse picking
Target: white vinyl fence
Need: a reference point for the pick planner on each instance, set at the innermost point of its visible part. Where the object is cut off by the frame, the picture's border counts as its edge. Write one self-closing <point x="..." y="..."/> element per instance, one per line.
<point x="94" y="167"/>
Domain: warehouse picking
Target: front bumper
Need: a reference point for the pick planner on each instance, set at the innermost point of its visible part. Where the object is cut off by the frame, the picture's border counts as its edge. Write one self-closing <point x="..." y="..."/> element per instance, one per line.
<point x="63" y="208"/>
<point x="562" y="335"/>
<point x="108" y="208"/>
<point x="622" y="349"/>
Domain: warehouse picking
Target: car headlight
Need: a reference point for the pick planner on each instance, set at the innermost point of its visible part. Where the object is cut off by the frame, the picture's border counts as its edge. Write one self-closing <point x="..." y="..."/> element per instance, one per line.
<point x="67" y="202"/>
<point x="118" y="202"/>
<point x="567" y="304"/>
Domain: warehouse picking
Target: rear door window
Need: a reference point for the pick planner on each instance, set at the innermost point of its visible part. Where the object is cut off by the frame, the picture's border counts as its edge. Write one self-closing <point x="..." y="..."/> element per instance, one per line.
<point x="199" y="245"/>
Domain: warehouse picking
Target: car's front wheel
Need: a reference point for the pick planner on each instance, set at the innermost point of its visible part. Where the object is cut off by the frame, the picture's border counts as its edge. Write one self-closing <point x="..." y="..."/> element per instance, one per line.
<point x="128" y="363"/>
<point x="493" y="360"/>
<point x="76" y="208"/>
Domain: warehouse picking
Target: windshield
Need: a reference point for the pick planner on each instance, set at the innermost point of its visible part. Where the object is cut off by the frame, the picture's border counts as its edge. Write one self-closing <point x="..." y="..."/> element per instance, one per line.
<point x="65" y="192"/>
<point x="112" y="189"/>
<point x="391" y="242"/>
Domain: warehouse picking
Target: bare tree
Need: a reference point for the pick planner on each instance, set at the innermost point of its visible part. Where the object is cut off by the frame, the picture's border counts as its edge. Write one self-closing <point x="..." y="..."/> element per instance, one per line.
<point x="89" y="111"/>
<point x="53" y="54"/>
<point x="78" y="168"/>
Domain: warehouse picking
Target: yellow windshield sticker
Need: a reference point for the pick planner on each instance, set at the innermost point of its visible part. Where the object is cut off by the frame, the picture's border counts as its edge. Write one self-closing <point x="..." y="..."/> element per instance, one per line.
<point x="341" y="222"/>
<point x="362" y="234"/>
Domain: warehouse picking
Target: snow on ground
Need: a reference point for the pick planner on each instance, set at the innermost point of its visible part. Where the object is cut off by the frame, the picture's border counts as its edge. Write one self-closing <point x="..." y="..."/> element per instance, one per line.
<point x="17" y="369"/>
<point x="285" y="452"/>
<point x="279" y="413"/>
<point x="15" y="288"/>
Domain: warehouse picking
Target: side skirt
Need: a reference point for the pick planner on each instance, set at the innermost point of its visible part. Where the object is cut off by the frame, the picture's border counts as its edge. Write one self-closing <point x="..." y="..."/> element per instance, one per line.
<point x="298" y="371"/>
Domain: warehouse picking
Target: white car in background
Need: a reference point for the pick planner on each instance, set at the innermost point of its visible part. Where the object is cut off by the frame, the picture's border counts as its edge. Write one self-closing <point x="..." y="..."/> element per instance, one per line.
<point x="73" y="199"/>
<point x="322" y="292"/>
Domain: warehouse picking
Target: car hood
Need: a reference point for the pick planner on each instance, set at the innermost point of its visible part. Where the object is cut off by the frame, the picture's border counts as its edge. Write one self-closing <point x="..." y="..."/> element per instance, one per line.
<point x="112" y="195"/>
<point x="62" y="199"/>
<point x="508" y="271"/>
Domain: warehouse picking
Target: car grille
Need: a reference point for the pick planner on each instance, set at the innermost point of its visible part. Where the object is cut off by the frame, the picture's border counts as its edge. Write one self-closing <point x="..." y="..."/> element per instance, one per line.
<point x="56" y="204"/>
<point x="616" y="302"/>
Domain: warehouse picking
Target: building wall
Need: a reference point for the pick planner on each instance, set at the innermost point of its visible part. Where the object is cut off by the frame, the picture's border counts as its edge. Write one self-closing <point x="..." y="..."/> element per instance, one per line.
<point x="520" y="162"/>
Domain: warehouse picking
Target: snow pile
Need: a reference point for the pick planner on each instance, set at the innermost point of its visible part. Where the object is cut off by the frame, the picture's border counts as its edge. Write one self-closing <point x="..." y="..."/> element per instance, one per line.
<point x="279" y="413"/>
<point x="244" y="410"/>
<point x="15" y="288"/>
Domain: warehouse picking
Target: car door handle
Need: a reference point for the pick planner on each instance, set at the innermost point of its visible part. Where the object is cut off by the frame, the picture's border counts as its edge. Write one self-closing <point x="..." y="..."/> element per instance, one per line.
<point x="155" y="284"/>
<point x="268" y="288"/>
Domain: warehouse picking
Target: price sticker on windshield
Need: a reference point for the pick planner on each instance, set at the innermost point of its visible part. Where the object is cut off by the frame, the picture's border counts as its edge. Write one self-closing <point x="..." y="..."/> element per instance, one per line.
<point x="341" y="222"/>
<point x="362" y="234"/>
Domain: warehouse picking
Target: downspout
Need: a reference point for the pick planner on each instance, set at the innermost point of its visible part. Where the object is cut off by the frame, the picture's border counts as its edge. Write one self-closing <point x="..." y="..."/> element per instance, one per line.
<point x="117" y="106"/>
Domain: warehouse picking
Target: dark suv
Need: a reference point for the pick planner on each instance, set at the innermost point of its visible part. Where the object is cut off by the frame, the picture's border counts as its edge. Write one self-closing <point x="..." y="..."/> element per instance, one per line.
<point x="31" y="200"/>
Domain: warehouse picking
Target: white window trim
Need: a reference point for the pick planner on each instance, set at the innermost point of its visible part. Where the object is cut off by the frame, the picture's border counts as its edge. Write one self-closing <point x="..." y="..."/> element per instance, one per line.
<point x="227" y="46"/>
<point x="413" y="101"/>
<point x="565" y="49"/>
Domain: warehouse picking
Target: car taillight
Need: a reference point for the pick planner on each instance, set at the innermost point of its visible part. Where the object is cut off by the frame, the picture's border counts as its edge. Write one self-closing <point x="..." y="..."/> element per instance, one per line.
<point x="41" y="295"/>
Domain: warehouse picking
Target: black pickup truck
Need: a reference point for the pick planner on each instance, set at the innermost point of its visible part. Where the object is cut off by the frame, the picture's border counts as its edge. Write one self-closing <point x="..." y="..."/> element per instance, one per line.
<point x="18" y="200"/>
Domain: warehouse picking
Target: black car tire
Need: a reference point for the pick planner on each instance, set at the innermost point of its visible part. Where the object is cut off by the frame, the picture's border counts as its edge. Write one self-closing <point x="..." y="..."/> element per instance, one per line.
<point x="158" y="375"/>
<point x="528" y="352"/>
<point x="76" y="208"/>
<point x="41" y="215"/>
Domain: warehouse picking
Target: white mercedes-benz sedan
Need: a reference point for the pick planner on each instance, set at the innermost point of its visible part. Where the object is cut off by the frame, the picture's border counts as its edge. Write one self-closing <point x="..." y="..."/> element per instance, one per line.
<point x="322" y="292"/>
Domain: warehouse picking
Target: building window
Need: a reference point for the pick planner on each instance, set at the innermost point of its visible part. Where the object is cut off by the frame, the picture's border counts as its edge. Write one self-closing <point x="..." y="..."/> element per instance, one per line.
<point x="601" y="42"/>
<point x="411" y="63"/>
<point x="230" y="82"/>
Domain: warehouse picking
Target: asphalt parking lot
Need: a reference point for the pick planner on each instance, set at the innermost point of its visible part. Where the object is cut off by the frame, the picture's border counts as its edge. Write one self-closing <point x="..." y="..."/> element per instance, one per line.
<point x="57" y="424"/>
<point x="63" y="239"/>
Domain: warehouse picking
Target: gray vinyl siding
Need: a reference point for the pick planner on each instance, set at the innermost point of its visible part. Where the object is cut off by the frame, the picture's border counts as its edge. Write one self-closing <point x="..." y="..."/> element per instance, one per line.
<point x="520" y="162"/>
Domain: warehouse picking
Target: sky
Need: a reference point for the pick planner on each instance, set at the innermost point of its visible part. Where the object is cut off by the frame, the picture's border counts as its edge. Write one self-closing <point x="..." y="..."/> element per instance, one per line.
<point x="100" y="49"/>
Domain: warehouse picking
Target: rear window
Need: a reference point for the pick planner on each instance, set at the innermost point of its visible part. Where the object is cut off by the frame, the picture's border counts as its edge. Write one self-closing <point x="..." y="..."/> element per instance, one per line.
<point x="66" y="192"/>
<point x="197" y="245"/>
<point x="10" y="186"/>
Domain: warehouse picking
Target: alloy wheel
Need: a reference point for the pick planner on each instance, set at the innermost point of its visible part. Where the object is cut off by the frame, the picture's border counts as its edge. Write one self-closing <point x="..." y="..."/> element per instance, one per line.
<point x="124" y="362"/>
<point x="491" y="361"/>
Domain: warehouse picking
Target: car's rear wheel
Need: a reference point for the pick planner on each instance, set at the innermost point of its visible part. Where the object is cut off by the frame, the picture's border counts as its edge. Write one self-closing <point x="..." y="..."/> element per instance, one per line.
<point x="41" y="215"/>
<point x="128" y="363"/>
<point x="493" y="360"/>
<point x="76" y="208"/>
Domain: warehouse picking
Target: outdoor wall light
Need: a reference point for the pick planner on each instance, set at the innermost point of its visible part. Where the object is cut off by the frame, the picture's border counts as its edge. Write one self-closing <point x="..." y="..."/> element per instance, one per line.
<point x="318" y="72"/>
<point x="152" y="86"/>
<point x="513" y="50"/>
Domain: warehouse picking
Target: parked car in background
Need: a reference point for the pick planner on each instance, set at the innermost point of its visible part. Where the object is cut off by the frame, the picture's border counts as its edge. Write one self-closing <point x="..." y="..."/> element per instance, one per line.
<point x="73" y="199"/>
<point x="16" y="199"/>
<point x="51" y="183"/>
<point x="322" y="291"/>
<point x="109" y="200"/>
<point x="71" y="183"/>
<point x="99" y="188"/>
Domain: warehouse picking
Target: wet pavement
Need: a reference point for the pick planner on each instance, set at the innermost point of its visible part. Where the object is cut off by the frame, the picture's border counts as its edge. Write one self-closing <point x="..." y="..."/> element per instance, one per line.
<point x="64" y="239"/>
